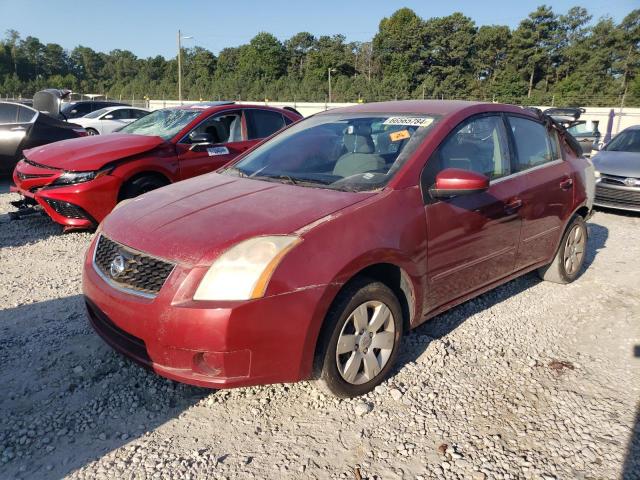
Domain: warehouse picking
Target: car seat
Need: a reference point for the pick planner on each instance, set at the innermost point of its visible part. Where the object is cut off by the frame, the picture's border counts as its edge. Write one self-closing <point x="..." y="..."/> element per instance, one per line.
<point x="360" y="156"/>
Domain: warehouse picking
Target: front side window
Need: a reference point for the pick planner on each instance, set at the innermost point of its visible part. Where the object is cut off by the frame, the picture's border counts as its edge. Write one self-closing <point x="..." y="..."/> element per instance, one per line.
<point x="627" y="141"/>
<point x="479" y="145"/>
<point x="165" y="123"/>
<point x="343" y="151"/>
<point x="222" y="128"/>
<point x="532" y="142"/>
<point x="263" y="123"/>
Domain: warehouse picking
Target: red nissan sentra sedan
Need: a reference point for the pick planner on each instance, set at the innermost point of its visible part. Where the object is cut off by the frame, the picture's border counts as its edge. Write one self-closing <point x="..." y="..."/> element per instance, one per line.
<point x="78" y="183"/>
<point x="312" y="254"/>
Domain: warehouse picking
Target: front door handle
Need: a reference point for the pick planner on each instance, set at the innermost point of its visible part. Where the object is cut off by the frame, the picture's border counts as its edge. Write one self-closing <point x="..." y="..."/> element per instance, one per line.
<point x="513" y="205"/>
<point x="566" y="184"/>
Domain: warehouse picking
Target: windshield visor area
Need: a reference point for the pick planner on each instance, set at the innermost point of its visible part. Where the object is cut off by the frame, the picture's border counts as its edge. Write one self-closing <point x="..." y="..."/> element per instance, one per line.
<point x="351" y="152"/>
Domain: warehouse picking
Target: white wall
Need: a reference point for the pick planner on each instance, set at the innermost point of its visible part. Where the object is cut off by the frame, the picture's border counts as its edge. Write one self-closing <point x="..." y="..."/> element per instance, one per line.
<point x="624" y="117"/>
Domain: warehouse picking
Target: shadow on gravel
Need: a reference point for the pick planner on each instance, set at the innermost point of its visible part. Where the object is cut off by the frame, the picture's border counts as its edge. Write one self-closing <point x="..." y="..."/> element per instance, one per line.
<point x="443" y="324"/>
<point x="631" y="469"/>
<point x="68" y="399"/>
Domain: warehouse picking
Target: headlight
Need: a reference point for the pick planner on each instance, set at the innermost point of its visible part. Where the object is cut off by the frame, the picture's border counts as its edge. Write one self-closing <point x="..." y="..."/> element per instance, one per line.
<point x="243" y="272"/>
<point x="70" y="178"/>
<point x="596" y="173"/>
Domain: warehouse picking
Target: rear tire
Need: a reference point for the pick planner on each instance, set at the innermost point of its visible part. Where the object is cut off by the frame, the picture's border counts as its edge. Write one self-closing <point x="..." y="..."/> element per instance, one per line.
<point x="360" y="339"/>
<point x="139" y="185"/>
<point x="567" y="264"/>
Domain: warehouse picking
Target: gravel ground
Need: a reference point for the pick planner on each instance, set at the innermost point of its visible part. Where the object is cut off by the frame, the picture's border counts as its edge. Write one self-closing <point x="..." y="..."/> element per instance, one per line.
<point x="531" y="380"/>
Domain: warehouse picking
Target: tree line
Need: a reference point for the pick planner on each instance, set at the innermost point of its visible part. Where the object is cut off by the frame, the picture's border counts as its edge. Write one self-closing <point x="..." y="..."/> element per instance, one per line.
<point x="549" y="58"/>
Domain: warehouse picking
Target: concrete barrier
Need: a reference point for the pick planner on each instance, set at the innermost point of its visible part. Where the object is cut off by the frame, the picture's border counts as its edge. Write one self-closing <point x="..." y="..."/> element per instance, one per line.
<point x="624" y="117"/>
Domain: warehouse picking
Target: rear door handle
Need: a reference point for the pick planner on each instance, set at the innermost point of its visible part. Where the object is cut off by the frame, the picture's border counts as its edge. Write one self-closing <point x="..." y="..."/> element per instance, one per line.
<point x="513" y="205"/>
<point x="17" y="129"/>
<point x="566" y="184"/>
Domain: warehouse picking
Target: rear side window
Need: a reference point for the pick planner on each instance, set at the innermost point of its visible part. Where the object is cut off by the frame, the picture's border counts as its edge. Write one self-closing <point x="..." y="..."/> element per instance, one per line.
<point x="479" y="144"/>
<point x="8" y="113"/>
<point x="25" y="114"/>
<point x="532" y="142"/>
<point x="263" y="123"/>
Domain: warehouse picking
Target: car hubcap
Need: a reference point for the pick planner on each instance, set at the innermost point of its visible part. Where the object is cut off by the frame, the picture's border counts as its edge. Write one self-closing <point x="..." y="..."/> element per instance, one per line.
<point x="574" y="250"/>
<point x="365" y="342"/>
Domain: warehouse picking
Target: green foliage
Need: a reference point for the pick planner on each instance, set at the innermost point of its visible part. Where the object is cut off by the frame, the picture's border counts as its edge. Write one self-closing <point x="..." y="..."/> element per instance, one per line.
<point x="564" y="59"/>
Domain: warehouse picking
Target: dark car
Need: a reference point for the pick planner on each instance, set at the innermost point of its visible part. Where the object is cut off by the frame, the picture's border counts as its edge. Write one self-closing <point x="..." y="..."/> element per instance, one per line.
<point x="618" y="171"/>
<point x="312" y="255"/>
<point x="84" y="107"/>
<point x="79" y="182"/>
<point x="22" y="127"/>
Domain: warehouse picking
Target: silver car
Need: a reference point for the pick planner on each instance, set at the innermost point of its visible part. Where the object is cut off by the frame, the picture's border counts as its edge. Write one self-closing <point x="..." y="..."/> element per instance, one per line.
<point x="618" y="171"/>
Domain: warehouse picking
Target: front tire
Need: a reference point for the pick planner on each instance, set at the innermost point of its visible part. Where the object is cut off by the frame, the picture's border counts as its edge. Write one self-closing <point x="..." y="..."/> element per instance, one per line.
<point x="92" y="131"/>
<point x="139" y="185"/>
<point x="360" y="340"/>
<point x="567" y="264"/>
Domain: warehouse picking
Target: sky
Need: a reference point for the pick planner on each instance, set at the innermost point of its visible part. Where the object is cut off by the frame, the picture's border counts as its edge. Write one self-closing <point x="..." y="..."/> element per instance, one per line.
<point x="149" y="27"/>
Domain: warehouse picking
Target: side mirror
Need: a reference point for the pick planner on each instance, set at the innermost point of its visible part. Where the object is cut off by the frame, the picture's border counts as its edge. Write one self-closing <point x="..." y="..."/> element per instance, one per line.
<point x="108" y="117"/>
<point x="452" y="182"/>
<point x="199" y="140"/>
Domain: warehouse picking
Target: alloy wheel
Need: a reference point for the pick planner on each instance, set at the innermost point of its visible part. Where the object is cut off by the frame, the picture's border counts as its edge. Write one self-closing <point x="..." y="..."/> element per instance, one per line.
<point x="574" y="249"/>
<point x="365" y="343"/>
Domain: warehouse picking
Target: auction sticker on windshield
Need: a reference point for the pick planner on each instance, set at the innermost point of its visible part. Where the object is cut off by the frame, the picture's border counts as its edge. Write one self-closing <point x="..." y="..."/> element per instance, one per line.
<point x="411" y="121"/>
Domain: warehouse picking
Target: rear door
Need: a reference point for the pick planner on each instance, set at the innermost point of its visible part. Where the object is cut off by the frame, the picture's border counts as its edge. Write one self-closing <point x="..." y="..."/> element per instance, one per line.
<point x="15" y="124"/>
<point x="227" y="132"/>
<point x="472" y="240"/>
<point x="547" y="197"/>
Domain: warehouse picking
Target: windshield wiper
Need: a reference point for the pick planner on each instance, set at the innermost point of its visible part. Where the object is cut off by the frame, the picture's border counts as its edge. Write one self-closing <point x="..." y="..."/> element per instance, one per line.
<point x="289" y="179"/>
<point x="240" y="173"/>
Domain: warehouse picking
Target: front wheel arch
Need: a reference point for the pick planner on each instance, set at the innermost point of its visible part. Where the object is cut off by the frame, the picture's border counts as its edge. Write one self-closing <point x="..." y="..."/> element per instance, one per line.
<point x="128" y="182"/>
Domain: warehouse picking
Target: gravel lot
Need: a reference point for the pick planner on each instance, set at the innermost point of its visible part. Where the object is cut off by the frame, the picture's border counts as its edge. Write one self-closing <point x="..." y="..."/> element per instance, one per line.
<point x="531" y="380"/>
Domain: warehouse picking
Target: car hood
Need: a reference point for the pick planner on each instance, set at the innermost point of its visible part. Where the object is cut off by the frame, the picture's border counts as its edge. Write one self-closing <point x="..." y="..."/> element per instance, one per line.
<point x="193" y="221"/>
<point x="623" y="164"/>
<point x="92" y="152"/>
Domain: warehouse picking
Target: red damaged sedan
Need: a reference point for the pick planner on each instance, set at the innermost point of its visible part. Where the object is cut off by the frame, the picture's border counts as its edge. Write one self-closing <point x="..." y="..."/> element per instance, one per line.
<point x="311" y="255"/>
<point x="78" y="182"/>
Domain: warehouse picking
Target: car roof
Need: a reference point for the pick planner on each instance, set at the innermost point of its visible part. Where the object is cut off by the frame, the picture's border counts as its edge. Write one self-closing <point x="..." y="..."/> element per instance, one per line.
<point x="430" y="107"/>
<point x="119" y="107"/>
<point x="213" y="106"/>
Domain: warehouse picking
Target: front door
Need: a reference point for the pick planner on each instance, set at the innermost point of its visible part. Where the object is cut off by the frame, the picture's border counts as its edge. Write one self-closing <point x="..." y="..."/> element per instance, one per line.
<point x="548" y="190"/>
<point x="226" y="140"/>
<point x="472" y="240"/>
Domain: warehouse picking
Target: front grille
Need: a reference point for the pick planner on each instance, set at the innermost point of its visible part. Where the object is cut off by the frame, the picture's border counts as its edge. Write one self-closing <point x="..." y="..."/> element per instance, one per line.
<point x="618" y="196"/>
<point x="39" y="165"/>
<point x="28" y="176"/>
<point x="134" y="271"/>
<point x="115" y="336"/>
<point x="613" y="179"/>
<point x="68" y="210"/>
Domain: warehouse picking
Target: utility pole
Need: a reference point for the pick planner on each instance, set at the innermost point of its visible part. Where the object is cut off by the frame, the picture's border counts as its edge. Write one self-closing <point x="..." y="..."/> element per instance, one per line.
<point x="179" y="67"/>
<point x="180" y="38"/>
<point x="329" y="70"/>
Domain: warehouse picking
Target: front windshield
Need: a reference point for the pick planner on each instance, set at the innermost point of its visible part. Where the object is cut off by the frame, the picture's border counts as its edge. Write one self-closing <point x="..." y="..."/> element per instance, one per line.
<point x="343" y="151"/>
<point x="628" y="141"/>
<point x="165" y="123"/>
<point x="97" y="113"/>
